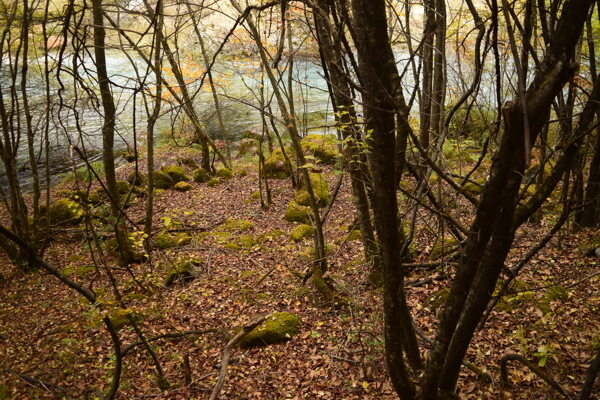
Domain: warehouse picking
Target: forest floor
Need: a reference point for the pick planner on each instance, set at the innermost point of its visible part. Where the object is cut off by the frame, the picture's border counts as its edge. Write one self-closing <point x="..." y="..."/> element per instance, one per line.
<point x="52" y="344"/>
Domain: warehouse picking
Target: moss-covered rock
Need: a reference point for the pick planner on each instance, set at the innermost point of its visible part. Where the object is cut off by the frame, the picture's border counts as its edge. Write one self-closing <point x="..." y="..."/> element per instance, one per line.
<point x="297" y="213"/>
<point x="187" y="162"/>
<point x="137" y="178"/>
<point x="323" y="147"/>
<point x="320" y="190"/>
<point x="232" y="224"/>
<point x="62" y="211"/>
<point x="280" y="327"/>
<point x="176" y="173"/>
<point x="162" y="180"/>
<point x="472" y="188"/>
<point x="167" y="241"/>
<point x="224" y="173"/>
<point x="301" y="231"/>
<point x="183" y="186"/>
<point x="355" y="234"/>
<point x="275" y="166"/>
<point x="200" y="175"/>
<point x="241" y="172"/>
<point x="443" y="247"/>
<point x="213" y="182"/>
<point x="120" y="317"/>
<point x="241" y="242"/>
<point x="85" y="198"/>
<point x="123" y="187"/>
<point x="129" y="155"/>
<point x="183" y="270"/>
<point x="247" y="146"/>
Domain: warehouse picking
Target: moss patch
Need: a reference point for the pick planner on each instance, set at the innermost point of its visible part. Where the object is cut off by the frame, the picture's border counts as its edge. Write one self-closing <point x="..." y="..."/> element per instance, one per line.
<point x="200" y="175"/>
<point x="213" y="182"/>
<point x="275" y="166"/>
<point x="224" y="173"/>
<point x="320" y="189"/>
<point x="162" y="180"/>
<point x="231" y="224"/>
<point x="301" y="231"/>
<point x="120" y="317"/>
<point x="137" y="178"/>
<point x="185" y="270"/>
<point x="323" y="147"/>
<point x="278" y="328"/>
<point x="183" y="186"/>
<point x="443" y="247"/>
<point x="168" y="241"/>
<point x="298" y="213"/>
<point x="176" y="173"/>
<point x="62" y="211"/>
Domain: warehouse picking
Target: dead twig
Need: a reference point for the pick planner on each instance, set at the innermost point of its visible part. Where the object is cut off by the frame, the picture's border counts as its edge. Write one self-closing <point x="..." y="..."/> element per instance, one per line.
<point x="227" y="351"/>
<point x="533" y="368"/>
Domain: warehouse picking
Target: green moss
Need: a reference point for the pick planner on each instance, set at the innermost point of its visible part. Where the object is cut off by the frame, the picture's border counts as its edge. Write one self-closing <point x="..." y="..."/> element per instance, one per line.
<point x="129" y="155"/>
<point x="589" y="246"/>
<point x="320" y="189"/>
<point x="213" y="182"/>
<point x="182" y="270"/>
<point x="278" y="328"/>
<point x="443" y="247"/>
<point x="439" y="298"/>
<point x="241" y="242"/>
<point x="241" y="172"/>
<point x="309" y="252"/>
<point x="298" y="213"/>
<point x="231" y="224"/>
<point x="187" y="162"/>
<point x="201" y="175"/>
<point x="176" y="173"/>
<point x="137" y="178"/>
<point x="355" y="235"/>
<point x="167" y="241"/>
<point x="472" y="188"/>
<point x="224" y="173"/>
<point x="255" y="195"/>
<point x="86" y="198"/>
<point x="182" y="186"/>
<point x="301" y="231"/>
<point x="162" y="180"/>
<point x="62" y="211"/>
<point x="123" y="187"/>
<point x="162" y="383"/>
<point x="120" y="317"/>
<point x="323" y="147"/>
<point x="275" y="166"/>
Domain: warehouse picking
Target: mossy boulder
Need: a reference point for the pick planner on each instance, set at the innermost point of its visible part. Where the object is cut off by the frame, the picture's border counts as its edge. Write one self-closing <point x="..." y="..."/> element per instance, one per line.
<point x="200" y="175"/>
<point x="130" y="155"/>
<point x="167" y="241"/>
<point x="213" y="182"/>
<point x="123" y="187"/>
<point x="241" y="172"/>
<point x="162" y="180"/>
<point x="183" y="186"/>
<point x="231" y="224"/>
<point x="120" y="317"/>
<point x="297" y="213"/>
<point x="280" y="327"/>
<point x="188" y="162"/>
<point x="241" y="242"/>
<point x="137" y="178"/>
<point x="323" y="147"/>
<point x="275" y="166"/>
<point x="183" y="270"/>
<point x="301" y="231"/>
<point x="85" y="198"/>
<point x="224" y="173"/>
<point x="320" y="190"/>
<point x="355" y="234"/>
<point x="472" y="188"/>
<point x="247" y="146"/>
<point x="443" y="247"/>
<point x="176" y="173"/>
<point x="62" y="211"/>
